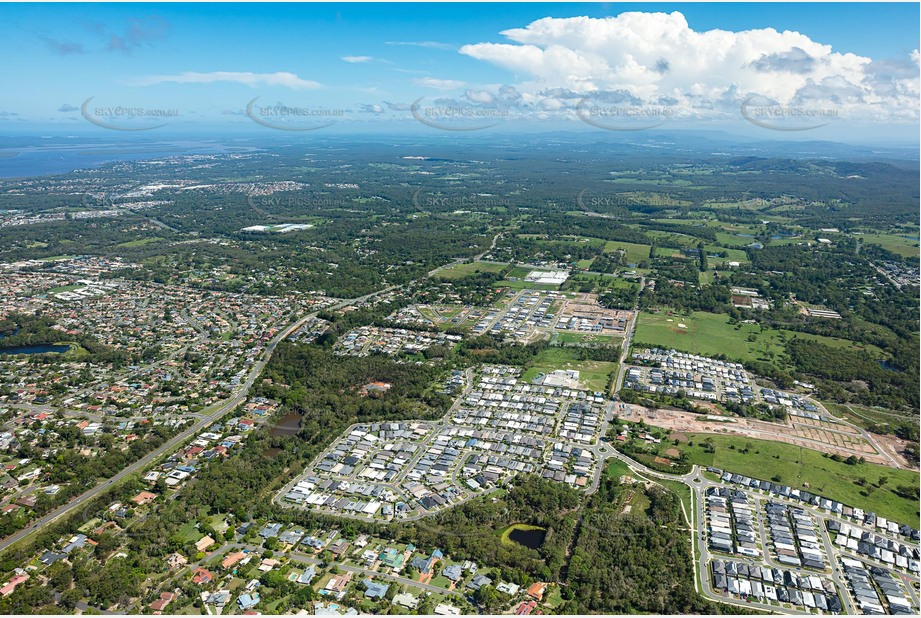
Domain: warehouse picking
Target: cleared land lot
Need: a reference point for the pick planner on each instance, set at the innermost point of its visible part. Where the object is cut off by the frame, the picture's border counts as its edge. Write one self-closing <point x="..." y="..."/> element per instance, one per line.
<point x="593" y="375"/>
<point x="462" y="270"/>
<point x="711" y="334"/>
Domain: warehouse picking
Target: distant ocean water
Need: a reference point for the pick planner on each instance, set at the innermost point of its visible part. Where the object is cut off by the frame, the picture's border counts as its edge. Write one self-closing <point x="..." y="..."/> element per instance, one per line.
<point x="62" y="159"/>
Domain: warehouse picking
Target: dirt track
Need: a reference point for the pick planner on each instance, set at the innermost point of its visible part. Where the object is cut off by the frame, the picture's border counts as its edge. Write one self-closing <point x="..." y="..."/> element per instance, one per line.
<point x="831" y="438"/>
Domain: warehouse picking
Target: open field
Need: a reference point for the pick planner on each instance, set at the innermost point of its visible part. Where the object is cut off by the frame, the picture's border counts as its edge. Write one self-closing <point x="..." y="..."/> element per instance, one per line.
<point x="710" y="334"/>
<point x="733" y="255"/>
<point x="635" y="253"/>
<point x="794" y="466"/>
<point x="140" y="242"/>
<point x="617" y="468"/>
<point x="528" y="285"/>
<point x="458" y="271"/>
<point x="733" y="239"/>
<point x="593" y="375"/>
<point x="897" y="243"/>
<point x="64" y="288"/>
<point x="832" y="438"/>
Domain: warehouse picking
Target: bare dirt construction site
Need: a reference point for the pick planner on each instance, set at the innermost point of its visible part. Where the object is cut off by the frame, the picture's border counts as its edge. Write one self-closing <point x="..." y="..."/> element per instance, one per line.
<point x="832" y="438"/>
<point x="585" y="309"/>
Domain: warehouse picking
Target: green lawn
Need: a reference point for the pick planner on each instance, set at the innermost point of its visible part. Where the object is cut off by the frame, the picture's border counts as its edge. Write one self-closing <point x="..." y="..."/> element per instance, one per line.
<point x="733" y="239"/>
<point x="140" y="242"/>
<point x="865" y="417"/>
<point x="679" y="489"/>
<point x="65" y="288"/>
<point x="593" y="375"/>
<point x="617" y="468"/>
<point x="462" y="270"/>
<point x="711" y="334"/>
<point x="189" y="533"/>
<point x="733" y="255"/>
<point x="636" y="253"/>
<point x="794" y="465"/>
<point x="527" y="285"/>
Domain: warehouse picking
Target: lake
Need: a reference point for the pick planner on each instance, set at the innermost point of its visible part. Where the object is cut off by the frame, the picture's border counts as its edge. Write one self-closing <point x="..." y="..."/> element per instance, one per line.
<point x="532" y="539"/>
<point x="287" y="425"/>
<point x="35" y="349"/>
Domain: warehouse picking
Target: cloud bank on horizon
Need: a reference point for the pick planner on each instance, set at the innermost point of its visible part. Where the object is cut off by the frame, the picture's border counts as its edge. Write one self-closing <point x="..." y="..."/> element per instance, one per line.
<point x="658" y="59"/>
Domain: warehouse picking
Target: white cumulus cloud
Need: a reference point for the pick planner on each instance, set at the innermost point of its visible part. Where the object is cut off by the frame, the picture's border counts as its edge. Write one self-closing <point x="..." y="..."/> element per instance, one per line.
<point x="657" y="58"/>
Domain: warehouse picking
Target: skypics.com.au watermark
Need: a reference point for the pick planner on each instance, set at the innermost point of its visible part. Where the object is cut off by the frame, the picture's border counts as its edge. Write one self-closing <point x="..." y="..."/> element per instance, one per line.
<point x="262" y="202"/>
<point x="591" y="203"/>
<point x="452" y="116"/>
<point x="436" y="204"/>
<point x="622" y="117"/>
<point x="126" y="117"/>
<point x="776" y="117"/>
<point x="283" y="117"/>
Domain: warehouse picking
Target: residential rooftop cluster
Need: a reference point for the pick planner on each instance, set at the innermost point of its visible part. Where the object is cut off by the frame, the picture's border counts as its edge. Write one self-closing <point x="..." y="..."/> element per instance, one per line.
<point x="866" y="518"/>
<point x="367" y="340"/>
<point x="500" y="427"/>
<point x="526" y="311"/>
<point x="194" y="346"/>
<point x="700" y="377"/>
<point x="775" y="586"/>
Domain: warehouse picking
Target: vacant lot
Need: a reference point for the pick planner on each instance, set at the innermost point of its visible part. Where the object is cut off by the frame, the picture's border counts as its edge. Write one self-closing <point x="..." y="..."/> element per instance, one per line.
<point x="635" y="253"/>
<point x="593" y="375"/>
<point x="458" y="271"/>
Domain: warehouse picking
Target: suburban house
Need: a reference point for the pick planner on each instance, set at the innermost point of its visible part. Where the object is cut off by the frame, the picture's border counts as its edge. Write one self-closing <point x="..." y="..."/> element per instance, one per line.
<point x="165" y="599"/>
<point x="338" y="583"/>
<point x="10" y="586"/>
<point x="308" y="574"/>
<point x="392" y="558"/>
<point x="536" y="591"/>
<point x="204" y="543"/>
<point x="374" y="590"/>
<point x="339" y="548"/>
<point x="176" y="561"/>
<point x="478" y="582"/>
<point x="446" y="610"/>
<point x="248" y="601"/>
<point x="404" y="599"/>
<point x="144" y="497"/>
<point x="202" y="576"/>
<point x="508" y="588"/>
<point x="232" y="559"/>
<point x="424" y="565"/>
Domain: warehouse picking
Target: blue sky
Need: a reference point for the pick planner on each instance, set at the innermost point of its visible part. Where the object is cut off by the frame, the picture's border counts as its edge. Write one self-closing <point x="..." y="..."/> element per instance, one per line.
<point x="849" y="67"/>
